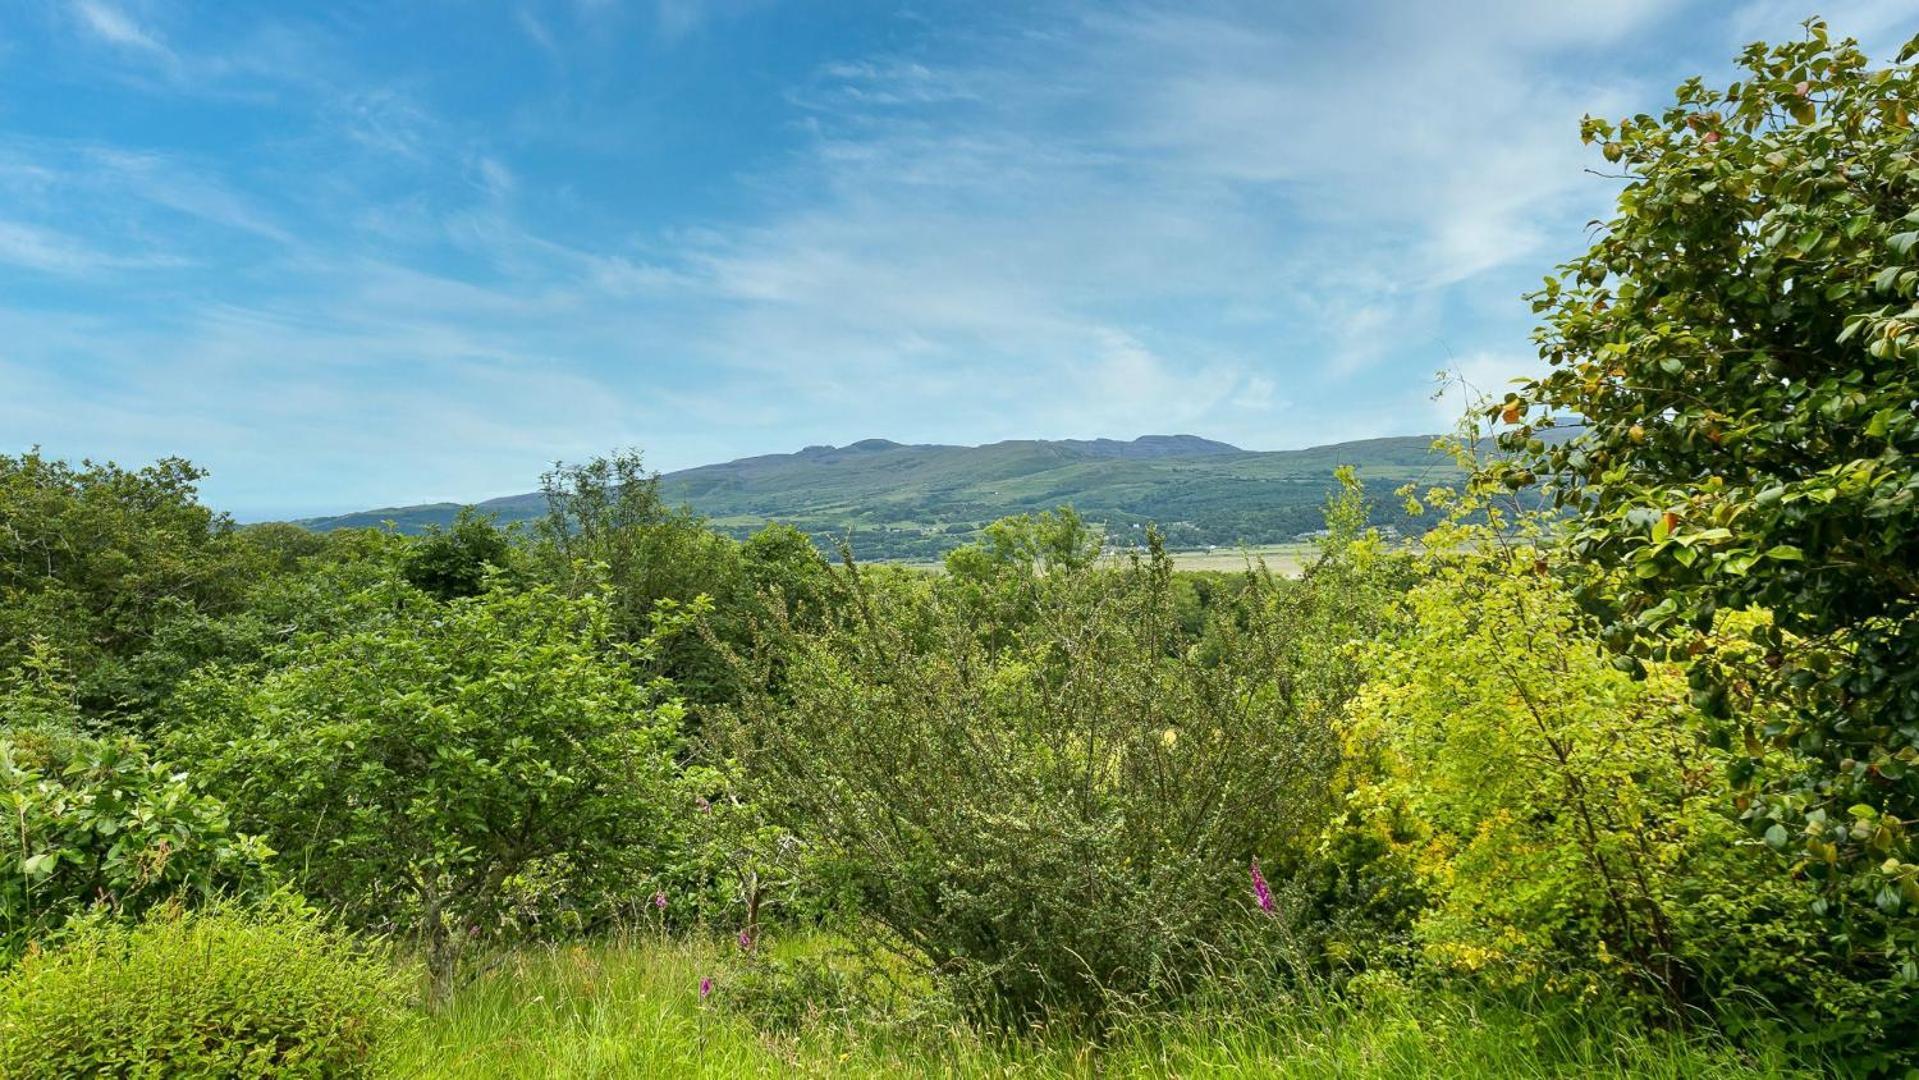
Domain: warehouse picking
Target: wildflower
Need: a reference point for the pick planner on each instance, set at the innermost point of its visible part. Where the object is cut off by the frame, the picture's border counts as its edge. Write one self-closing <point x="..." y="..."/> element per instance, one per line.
<point x="1261" y="892"/>
<point x="659" y="899"/>
<point x="706" y="987"/>
<point x="746" y="939"/>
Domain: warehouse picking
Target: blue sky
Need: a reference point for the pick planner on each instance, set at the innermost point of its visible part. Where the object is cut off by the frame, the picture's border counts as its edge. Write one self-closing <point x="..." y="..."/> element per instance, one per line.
<point x="352" y="254"/>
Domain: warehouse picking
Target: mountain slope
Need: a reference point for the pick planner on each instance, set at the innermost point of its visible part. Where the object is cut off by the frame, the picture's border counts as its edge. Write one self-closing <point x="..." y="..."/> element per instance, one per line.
<point x="903" y="501"/>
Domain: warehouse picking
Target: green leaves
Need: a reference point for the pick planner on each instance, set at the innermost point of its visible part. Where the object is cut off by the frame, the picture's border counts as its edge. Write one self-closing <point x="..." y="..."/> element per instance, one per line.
<point x="1746" y="367"/>
<point x="412" y="766"/>
<point x="98" y="821"/>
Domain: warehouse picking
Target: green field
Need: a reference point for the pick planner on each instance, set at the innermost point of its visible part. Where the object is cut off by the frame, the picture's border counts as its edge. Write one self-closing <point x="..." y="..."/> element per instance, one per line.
<point x="1280" y="558"/>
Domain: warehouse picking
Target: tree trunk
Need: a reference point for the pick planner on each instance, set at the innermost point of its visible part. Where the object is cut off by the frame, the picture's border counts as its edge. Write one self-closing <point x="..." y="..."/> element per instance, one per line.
<point x="441" y="952"/>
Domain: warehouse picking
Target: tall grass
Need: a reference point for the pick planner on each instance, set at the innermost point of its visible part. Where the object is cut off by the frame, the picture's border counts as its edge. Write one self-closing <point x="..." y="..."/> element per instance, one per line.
<point x="633" y="1008"/>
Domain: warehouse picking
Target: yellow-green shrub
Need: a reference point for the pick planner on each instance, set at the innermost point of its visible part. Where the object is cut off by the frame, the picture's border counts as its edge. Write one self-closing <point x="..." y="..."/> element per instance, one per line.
<point x="1568" y="825"/>
<point x="224" y="992"/>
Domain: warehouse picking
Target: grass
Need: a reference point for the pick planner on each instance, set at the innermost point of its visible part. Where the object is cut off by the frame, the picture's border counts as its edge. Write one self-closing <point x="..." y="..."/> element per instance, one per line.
<point x="1285" y="559"/>
<point x="633" y="1009"/>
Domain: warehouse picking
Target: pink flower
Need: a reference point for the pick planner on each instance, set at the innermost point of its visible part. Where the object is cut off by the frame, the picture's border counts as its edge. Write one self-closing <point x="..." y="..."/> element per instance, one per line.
<point x="1260" y="890"/>
<point x="659" y="899"/>
<point x="746" y="939"/>
<point x="706" y="987"/>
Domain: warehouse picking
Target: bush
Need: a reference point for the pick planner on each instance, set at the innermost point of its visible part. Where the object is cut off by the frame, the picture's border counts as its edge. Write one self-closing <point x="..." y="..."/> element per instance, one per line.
<point x="1570" y="829"/>
<point x="1737" y="348"/>
<point x="412" y="769"/>
<point x="107" y="825"/>
<point x="98" y="821"/>
<point x="1047" y="794"/>
<point x="222" y="993"/>
<point x="96" y="559"/>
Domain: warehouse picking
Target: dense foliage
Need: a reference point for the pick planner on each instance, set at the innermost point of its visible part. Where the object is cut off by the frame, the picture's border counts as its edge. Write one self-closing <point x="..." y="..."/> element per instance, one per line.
<point x="218" y="993"/>
<point x="96" y="560"/>
<point x="414" y="768"/>
<point x="1605" y="862"/>
<point x="1738" y="350"/>
<point x="1044" y="790"/>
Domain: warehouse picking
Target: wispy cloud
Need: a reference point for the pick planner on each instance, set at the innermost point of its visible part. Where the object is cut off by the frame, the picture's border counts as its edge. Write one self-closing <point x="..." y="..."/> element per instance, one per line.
<point x="116" y="27"/>
<point x="331" y="242"/>
<point x="35" y="248"/>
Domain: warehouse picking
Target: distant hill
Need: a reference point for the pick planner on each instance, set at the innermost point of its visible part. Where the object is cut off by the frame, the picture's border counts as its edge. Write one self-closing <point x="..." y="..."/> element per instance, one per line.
<point x="902" y="501"/>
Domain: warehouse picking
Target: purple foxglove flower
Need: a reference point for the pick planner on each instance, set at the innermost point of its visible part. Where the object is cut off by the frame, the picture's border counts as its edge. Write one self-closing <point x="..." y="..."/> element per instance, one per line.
<point x="1260" y="890"/>
<point x="746" y="939"/>
<point x="659" y="899"/>
<point x="706" y="987"/>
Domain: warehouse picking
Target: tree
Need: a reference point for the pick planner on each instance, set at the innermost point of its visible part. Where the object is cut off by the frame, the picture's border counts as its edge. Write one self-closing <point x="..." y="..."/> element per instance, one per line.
<point x="450" y="563"/>
<point x="607" y="529"/>
<point x="409" y="769"/>
<point x="1738" y="352"/>
<point x="96" y="559"/>
<point x="1564" y="826"/>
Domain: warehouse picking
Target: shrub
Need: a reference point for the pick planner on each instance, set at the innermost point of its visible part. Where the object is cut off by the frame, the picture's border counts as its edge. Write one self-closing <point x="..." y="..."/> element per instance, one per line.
<point x="411" y="768"/>
<point x="454" y="562"/>
<point x="98" y="821"/>
<point x="96" y="559"/>
<point x="221" y="993"/>
<point x="1569" y="828"/>
<point x="1738" y="350"/>
<point x="1046" y="794"/>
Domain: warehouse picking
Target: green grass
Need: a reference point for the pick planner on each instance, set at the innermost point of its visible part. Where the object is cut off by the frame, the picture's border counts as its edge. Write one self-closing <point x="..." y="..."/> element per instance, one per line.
<point x="1286" y="559"/>
<point x="634" y="1009"/>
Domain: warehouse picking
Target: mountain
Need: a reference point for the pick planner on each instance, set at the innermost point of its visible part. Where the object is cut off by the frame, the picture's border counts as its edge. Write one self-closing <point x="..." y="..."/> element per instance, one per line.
<point x="914" y="501"/>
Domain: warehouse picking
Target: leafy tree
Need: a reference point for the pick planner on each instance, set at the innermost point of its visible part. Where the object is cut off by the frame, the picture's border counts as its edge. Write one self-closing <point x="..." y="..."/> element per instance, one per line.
<point x="453" y="562"/>
<point x="998" y="580"/>
<point x="1567" y="828"/>
<point x="95" y="559"/>
<point x="1740" y="352"/>
<point x="606" y="528"/>
<point x="782" y="566"/>
<point x="409" y="769"/>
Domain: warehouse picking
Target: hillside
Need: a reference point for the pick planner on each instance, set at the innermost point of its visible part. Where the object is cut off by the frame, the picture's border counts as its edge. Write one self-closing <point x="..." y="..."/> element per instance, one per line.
<point x="915" y="501"/>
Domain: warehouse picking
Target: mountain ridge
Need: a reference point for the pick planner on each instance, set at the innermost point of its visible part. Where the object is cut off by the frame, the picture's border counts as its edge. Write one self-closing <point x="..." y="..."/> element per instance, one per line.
<point x="902" y="500"/>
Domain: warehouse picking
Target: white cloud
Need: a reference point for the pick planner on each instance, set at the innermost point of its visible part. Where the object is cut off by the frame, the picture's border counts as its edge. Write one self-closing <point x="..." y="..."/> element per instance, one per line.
<point x="114" y="26"/>
<point x="1283" y="208"/>
<point x="48" y="251"/>
<point x="1250" y="221"/>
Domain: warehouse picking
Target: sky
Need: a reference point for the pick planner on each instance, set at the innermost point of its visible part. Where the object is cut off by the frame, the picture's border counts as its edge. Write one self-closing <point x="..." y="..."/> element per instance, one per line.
<point x="351" y="254"/>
